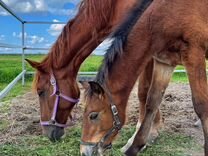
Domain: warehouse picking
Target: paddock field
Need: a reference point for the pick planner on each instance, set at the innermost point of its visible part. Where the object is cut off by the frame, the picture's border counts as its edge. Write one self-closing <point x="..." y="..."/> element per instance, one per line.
<point x="20" y="133"/>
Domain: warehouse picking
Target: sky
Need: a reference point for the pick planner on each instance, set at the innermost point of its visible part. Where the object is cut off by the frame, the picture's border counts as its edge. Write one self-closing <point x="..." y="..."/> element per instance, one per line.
<point x="37" y="35"/>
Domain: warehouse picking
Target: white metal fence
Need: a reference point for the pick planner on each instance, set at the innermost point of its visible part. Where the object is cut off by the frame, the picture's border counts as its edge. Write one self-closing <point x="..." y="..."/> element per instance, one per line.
<point x="23" y="47"/>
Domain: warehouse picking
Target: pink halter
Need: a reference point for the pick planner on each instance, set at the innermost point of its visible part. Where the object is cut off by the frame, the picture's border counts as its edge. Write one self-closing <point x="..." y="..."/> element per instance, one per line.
<point x="58" y="95"/>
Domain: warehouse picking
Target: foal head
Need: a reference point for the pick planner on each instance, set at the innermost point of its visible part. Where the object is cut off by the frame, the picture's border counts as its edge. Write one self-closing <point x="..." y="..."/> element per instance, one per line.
<point x="58" y="92"/>
<point x="101" y="122"/>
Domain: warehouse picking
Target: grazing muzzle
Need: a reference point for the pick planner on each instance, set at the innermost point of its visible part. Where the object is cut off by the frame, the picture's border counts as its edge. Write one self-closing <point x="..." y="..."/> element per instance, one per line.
<point x="54" y="133"/>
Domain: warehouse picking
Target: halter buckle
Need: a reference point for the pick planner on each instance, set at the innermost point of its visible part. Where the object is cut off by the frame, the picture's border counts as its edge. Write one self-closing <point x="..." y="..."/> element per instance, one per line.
<point x="53" y="81"/>
<point x="114" y="110"/>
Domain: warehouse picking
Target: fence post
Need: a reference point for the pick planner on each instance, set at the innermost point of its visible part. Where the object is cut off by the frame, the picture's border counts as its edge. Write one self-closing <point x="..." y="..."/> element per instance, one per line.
<point x="23" y="52"/>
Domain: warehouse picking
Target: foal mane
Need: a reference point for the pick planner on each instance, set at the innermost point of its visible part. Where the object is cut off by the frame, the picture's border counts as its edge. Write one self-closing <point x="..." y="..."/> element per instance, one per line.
<point x="96" y="13"/>
<point x="120" y="36"/>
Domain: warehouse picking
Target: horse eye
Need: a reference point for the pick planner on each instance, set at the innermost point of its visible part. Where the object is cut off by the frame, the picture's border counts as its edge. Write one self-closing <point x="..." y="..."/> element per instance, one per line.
<point x="41" y="93"/>
<point x="93" y="115"/>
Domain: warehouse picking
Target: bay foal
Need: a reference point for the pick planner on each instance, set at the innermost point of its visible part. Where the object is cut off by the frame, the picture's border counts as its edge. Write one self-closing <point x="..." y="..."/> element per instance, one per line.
<point x="170" y="31"/>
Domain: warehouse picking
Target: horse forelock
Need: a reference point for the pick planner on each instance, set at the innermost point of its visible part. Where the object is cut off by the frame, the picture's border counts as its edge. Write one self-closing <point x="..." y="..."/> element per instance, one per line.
<point x="35" y="81"/>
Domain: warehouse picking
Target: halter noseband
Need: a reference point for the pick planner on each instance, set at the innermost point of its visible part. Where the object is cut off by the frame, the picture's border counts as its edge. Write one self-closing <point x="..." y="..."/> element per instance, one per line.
<point x="116" y="127"/>
<point x="58" y="95"/>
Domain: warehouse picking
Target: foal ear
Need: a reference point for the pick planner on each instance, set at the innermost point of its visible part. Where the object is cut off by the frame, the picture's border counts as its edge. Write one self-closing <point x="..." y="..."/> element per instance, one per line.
<point x="34" y="64"/>
<point x="84" y="84"/>
<point x="96" y="87"/>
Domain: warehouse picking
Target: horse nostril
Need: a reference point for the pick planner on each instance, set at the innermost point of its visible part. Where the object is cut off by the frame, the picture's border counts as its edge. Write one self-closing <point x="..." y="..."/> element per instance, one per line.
<point x="83" y="154"/>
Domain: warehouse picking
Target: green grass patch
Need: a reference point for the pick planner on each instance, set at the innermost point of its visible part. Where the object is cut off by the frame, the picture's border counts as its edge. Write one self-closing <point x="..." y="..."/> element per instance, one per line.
<point x="3" y="124"/>
<point x="17" y="90"/>
<point x="169" y="144"/>
<point x="11" y="66"/>
<point x="91" y="64"/>
<point x="41" y="146"/>
<point x="166" y="145"/>
<point x="179" y="78"/>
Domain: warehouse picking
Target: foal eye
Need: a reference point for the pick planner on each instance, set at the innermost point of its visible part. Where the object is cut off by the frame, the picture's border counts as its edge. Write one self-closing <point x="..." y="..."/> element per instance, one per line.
<point x="93" y="115"/>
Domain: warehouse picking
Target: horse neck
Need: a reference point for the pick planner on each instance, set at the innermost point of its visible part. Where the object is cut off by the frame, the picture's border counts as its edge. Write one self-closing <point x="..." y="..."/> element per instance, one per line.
<point x="74" y="35"/>
<point x="89" y="20"/>
<point x="120" y="12"/>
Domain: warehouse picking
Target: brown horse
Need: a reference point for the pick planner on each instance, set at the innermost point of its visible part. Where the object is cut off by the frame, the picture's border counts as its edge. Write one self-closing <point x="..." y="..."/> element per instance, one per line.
<point x="170" y="31"/>
<point x="55" y="80"/>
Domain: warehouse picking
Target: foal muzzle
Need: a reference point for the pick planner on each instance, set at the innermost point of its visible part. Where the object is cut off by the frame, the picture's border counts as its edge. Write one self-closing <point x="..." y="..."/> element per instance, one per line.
<point x="93" y="149"/>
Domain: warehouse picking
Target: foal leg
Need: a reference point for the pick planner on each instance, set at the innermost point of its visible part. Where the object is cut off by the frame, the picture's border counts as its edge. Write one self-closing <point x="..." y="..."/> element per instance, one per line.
<point x="195" y="65"/>
<point x="145" y="79"/>
<point x="160" y="79"/>
<point x="143" y="88"/>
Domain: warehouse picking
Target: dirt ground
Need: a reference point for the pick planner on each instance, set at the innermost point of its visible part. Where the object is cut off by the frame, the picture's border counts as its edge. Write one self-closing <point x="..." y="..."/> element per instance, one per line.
<point x="177" y="110"/>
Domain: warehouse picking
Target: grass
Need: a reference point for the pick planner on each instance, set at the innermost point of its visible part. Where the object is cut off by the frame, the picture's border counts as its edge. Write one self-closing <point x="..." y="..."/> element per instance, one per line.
<point x="40" y="146"/>
<point x="179" y="78"/>
<point x="11" y="65"/>
<point x="17" y="90"/>
<point x="166" y="145"/>
<point x="4" y="124"/>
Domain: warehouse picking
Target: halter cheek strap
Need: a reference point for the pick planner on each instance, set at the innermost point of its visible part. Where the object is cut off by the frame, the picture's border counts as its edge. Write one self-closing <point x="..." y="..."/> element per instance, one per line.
<point x="58" y="95"/>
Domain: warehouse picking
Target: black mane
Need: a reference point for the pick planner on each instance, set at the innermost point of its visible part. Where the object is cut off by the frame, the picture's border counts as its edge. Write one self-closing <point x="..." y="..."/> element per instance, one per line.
<point x="120" y="38"/>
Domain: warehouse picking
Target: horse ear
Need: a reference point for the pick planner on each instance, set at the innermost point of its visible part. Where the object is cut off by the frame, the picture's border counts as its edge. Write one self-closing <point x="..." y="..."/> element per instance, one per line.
<point x="34" y="64"/>
<point x="96" y="87"/>
<point x="84" y="84"/>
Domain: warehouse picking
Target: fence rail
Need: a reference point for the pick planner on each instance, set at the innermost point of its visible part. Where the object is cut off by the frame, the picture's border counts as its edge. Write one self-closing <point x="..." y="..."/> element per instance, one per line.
<point x="5" y="45"/>
<point x="43" y="22"/>
<point x="10" y="11"/>
<point x="5" y="91"/>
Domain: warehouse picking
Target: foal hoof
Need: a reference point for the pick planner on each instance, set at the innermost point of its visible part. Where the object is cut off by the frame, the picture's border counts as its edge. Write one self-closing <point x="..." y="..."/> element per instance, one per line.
<point x="134" y="151"/>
